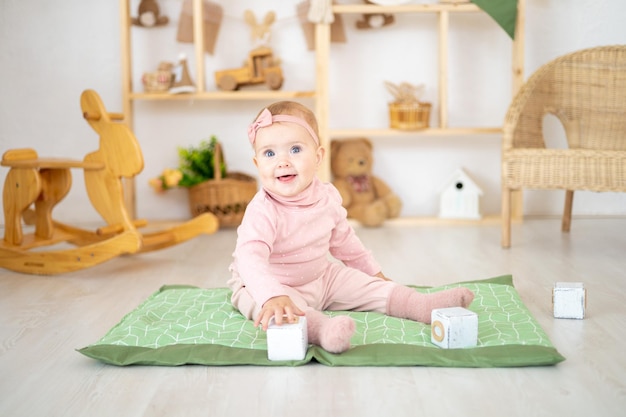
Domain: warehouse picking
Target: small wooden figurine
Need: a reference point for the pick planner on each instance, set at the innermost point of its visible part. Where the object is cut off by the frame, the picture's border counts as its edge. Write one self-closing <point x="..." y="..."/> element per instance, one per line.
<point x="260" y="31"/>
<point x="374" y="20"/>
<point x="181" y="82"/>
<point x="149" y="15"/>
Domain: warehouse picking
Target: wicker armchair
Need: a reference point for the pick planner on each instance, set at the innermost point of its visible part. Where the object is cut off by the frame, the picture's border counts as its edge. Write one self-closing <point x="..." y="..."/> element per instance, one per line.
<point x="586" y="91"/>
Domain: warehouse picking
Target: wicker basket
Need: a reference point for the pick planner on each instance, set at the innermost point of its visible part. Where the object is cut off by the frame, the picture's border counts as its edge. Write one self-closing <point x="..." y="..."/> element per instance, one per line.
<point x="159" y="81"/>
<point x="227" y="198"/>
<point x="409" y="116"/>
<point x="156" y="82"/>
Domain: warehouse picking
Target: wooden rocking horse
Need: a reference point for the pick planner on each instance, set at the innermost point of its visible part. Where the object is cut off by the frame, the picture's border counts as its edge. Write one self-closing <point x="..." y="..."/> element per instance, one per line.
<point x="34" y="186"/>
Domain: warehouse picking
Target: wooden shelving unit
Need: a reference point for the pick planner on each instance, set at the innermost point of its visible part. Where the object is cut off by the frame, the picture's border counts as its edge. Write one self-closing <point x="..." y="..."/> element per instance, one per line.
<point x="443" y="12"/>
<point x="131" y="93"/>
<point x="225" y="95"/>
<point x="320" y="95"/>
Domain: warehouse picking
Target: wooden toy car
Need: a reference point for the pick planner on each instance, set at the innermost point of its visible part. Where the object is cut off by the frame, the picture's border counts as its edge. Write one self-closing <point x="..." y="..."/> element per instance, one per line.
<point x="260" y="68"/>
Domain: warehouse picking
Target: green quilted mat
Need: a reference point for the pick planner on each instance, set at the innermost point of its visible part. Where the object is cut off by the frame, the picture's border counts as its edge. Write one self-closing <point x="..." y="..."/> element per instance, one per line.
<point x="181" y="325"/>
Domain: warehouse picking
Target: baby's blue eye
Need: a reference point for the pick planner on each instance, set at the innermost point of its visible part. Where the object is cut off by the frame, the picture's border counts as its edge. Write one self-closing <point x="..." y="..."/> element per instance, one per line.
<point x="296" y="149"/>
<point x="269" y="153"/>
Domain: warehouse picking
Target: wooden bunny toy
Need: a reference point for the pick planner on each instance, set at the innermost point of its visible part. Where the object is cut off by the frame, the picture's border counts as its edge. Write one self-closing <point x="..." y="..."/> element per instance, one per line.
<point x="260" y="31"/>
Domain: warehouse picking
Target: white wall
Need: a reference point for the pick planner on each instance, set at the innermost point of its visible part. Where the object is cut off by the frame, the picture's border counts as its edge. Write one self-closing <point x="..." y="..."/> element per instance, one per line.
<point x="51" y="50"/>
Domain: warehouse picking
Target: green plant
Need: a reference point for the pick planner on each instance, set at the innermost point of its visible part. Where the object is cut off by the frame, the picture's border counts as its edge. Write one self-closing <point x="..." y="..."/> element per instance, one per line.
<point x="197" y="163"/>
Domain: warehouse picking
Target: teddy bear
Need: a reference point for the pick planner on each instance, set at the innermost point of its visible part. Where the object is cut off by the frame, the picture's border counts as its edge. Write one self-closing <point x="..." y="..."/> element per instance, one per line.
<point x="374" y="20"/>
<point x="149" y="15"/>
<point x="367" y="198"/>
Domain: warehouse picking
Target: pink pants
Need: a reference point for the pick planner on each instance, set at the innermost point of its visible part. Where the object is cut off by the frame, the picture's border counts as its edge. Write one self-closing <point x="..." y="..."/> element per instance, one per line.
<point x="339" y="288"/>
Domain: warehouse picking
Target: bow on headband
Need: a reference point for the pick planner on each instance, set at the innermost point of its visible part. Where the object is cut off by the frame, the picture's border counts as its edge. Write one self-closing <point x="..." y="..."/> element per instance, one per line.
<point x="266" y="119"/>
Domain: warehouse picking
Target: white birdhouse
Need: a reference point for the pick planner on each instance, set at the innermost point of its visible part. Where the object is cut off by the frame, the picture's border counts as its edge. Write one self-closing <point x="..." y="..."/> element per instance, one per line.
<point x="460" y="197"/>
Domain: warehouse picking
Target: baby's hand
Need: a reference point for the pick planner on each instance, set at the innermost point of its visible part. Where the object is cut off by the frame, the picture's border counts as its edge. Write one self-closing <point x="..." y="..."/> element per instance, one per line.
<point x="280" y="308"/>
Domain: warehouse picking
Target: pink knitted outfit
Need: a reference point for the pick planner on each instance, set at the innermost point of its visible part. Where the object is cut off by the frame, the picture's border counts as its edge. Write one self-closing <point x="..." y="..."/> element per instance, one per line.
<point x="283" y="247"/>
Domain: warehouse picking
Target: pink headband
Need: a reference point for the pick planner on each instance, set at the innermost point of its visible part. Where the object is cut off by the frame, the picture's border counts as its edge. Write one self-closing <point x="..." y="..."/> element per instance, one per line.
<point x="266" y="119"/>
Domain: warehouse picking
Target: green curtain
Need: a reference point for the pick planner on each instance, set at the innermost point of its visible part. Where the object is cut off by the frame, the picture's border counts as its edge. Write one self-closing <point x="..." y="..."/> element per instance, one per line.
<point x="504" y="12"/>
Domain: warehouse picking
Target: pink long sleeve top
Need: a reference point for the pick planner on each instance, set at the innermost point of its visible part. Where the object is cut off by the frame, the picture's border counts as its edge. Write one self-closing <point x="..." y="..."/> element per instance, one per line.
<point x="287" y="241"/>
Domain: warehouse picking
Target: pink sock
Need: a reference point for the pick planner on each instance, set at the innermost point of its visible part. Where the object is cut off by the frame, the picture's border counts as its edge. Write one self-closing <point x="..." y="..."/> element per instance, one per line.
<point x="332" y="334"/>
<point x="406" y="303"/>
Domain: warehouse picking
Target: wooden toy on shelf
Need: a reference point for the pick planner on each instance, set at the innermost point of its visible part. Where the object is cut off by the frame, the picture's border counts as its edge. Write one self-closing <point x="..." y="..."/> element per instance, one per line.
<point x="459" y="197"/>
<point x="34" y="186"/>
<point x="261" y="67"/>
<point x="159" y="81"/>
<point x="407" y="112"/>
<point x="181" y="79"/>
<point x="377" y="20"/>
<point x="149" y="15"/>
<point x="260" y="31"/>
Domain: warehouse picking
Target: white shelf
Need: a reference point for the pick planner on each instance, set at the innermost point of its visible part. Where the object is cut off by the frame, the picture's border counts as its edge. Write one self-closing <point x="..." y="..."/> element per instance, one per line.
<point x="225" y="95"/>
<point x="405" y="8"/>
<point x="449" y="131"/>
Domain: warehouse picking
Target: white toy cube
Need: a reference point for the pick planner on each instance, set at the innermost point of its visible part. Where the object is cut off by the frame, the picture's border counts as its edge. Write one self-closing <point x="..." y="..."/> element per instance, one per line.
<point x="288" y="341"/>
<point x="454" y="328"/>
<point x="569" y="300"/>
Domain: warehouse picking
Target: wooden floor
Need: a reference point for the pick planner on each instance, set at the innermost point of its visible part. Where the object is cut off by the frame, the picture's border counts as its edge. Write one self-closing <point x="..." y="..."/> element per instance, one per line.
<point x="44" y="319"/>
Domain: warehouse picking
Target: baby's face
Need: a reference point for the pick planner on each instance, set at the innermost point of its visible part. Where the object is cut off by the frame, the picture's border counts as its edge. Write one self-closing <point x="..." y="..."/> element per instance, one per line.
<point x="287" y="158"/>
